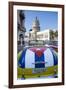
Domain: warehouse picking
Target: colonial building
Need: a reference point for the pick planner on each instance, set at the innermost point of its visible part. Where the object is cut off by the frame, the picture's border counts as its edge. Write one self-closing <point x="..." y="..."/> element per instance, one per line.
<point x="45" y="35"/>
<point x="20" y="29"/>
<point x="35" y="29"/>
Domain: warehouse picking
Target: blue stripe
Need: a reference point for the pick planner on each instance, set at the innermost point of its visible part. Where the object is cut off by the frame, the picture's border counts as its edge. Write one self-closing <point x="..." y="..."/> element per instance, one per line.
<point x="39" y="60"/>
<point x="21" y="61"/>
<point x="55" y="57"/>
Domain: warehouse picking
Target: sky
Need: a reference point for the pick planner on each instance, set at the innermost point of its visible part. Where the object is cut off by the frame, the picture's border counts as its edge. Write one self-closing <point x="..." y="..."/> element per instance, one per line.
<point x="47" y="19"/>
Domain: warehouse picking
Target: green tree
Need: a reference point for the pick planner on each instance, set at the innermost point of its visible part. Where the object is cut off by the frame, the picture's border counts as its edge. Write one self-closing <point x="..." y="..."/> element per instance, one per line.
<point x="52" y="35"/>
<point x="56" y="33"/>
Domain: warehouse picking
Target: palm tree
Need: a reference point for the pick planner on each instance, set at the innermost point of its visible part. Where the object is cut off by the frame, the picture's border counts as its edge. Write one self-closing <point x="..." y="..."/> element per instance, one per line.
<point x="56" y="33"/>
<point x="52" y="35"/>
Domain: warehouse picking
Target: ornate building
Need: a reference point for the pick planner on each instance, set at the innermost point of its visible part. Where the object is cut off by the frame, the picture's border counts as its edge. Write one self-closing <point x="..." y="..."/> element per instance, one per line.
<point x="37" y="34"/>
<point x="35" y="29"/>
<point x="47" y="35"/>
<point x="20" y="29"/>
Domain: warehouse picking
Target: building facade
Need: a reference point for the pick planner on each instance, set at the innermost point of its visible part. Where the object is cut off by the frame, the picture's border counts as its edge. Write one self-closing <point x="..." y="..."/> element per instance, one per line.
<point x="48" y="35"/>
<point x="37" y="34"/>
<point x="35" y="29"/>
<point x="20" y="29"/>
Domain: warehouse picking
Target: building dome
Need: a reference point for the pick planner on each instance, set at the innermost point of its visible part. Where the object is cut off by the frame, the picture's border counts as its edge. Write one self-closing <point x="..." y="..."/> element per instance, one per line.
<point x="35" y="22"/>
<point x="36" y="25"/>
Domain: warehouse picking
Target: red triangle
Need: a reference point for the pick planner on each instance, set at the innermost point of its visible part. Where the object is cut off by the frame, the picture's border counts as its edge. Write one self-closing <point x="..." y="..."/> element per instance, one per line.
<point x="38" y="52"/>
